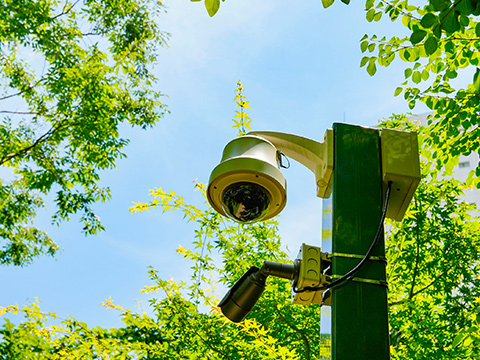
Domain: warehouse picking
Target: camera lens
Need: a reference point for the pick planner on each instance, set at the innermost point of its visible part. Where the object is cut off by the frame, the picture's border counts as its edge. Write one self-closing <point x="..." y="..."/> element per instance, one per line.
<point x="246" y="202"/>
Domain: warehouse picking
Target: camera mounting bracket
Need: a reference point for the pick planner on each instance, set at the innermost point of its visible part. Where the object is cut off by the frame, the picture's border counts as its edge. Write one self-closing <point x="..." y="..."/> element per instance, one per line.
<point x="315" y="155"/>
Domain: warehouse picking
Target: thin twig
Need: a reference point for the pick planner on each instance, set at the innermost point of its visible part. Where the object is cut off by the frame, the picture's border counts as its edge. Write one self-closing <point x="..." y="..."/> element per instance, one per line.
<point x="20" y="92"/>
<point x="19" y="112"/>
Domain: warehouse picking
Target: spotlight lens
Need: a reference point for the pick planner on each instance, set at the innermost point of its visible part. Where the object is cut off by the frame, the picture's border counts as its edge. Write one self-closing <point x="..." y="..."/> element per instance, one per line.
<point x="246" y="202"/>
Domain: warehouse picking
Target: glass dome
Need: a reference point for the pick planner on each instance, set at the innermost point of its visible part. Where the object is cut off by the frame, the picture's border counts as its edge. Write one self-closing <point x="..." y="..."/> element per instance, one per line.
<point x="246" y="202"/>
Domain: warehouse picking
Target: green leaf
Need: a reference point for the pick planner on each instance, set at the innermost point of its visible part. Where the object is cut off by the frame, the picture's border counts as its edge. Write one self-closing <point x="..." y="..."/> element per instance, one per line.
<point x="450" y="164"/>
<point x="466" y="7"/>
<point x="363" y="46"/>
<point x="398" y="91"/>
<point x="417" y="36"/>
<point x="404" y="54"/>
<point x="428" y="20"/>
<point x="369" y="4"/>
<point x="468" y="341"/>
<point x="450" y="22"/>
<point x="212" y="6"/>
<point x="477" y="29"/>
<point x="458" y="339"/>
<point x="325" y="3"/>
<point x="370" y="15"/>
<point x="408" y="73"/>
<point x="431" y="45"/>
<point x="440" y="5"/>
<point x="346" y="2"/>
<point x="425" y="75"/>
<point x="371" y="68"/>
<point x="388" y="59"/>
<point x="450" y="47"/>
<point x="430" y="102"/>
<point x="416" y="77"/>
<point x="364" y="61"/>
<point x="464" y="19"/>
<point x="451" y="74"/>
<point x="476" y="80"/>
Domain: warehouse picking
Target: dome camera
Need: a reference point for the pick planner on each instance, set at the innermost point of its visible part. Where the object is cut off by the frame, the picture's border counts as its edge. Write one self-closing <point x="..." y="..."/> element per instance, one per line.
<point x="246" y="202"/>
<point x="247" y="185"/>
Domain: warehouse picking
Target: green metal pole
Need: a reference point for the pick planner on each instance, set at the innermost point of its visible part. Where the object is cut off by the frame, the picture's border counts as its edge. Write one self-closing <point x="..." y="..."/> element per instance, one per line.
<point x="359" y="309"/>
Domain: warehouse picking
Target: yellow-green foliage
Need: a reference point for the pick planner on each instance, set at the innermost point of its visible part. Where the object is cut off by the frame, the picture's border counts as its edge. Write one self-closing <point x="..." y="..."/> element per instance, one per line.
<point x="434" y="260"/>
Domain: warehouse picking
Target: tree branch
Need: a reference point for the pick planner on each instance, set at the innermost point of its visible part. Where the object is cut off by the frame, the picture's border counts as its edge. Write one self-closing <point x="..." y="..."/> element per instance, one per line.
<point x="65" y="10"/>
<point x="20" y="92"/>
<point x="412" y="295"/>
<point x="41" y="139"/>
<point x="19" y="112"/>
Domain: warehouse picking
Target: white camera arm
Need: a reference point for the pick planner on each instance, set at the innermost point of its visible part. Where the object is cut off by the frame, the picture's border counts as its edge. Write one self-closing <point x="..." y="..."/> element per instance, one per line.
<point x="315" y="155"/>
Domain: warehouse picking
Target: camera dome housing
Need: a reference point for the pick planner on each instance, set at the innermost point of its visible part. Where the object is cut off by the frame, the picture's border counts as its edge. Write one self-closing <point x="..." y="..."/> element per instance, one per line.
<point x="247" y="185"/>
<point x="246" y="202"/>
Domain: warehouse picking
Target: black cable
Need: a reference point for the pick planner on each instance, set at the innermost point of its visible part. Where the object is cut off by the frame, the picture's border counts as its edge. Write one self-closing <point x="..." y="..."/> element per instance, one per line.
<point x="365" y="258"/>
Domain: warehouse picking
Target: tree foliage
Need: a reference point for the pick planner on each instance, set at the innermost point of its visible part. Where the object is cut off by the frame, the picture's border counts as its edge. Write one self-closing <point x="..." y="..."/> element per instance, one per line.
<point x="186" y="323"/>
<point x="434" y="262"/>
<point x="442" y="68"/>
<point x="433" y="266"/>
<point x="71" y="73"/>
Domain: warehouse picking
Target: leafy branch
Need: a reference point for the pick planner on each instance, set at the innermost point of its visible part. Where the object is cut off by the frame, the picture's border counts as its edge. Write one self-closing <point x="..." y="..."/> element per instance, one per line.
<point x="40" y="140"/>
<point x="65" y="10"/>
<point x="241" y="120"/>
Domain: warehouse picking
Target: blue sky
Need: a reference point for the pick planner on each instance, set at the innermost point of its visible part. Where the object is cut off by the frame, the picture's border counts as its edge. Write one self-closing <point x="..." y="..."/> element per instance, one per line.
<point x="299" y="64"/>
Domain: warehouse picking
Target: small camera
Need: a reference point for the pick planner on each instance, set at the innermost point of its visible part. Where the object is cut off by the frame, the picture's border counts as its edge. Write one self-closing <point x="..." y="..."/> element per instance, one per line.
<point x="243" y="295"/>
<point x="248" y="186"/>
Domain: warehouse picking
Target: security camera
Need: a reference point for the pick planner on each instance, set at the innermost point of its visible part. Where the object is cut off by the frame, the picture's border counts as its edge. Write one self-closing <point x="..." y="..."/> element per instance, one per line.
<point x="242" y="297"/>
<point x="247" y="185"/>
